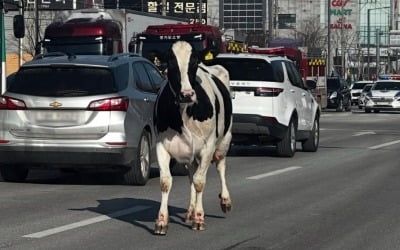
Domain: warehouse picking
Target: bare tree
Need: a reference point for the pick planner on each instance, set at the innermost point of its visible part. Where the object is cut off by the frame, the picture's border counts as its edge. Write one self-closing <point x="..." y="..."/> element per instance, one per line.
<point x="312" y="33"/>
<point x="29" y="42"/>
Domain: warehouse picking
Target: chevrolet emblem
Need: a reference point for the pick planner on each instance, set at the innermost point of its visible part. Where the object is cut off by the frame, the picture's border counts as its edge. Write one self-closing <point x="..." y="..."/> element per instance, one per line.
<point x="55" y="104"/>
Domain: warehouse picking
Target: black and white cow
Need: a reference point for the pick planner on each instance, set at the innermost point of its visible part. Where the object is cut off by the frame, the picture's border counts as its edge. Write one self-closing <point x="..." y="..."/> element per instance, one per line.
<point x="193" y="117"/>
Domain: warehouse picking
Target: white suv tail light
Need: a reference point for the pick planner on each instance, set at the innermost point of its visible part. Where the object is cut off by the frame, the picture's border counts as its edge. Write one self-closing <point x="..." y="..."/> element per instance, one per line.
<point x="265" y="91"/>
<point x="8" y="103"/>
<point x="110" y="104"/>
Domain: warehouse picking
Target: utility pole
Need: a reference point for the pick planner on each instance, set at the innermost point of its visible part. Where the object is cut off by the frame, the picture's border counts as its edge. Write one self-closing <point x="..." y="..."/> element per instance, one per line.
<point x="2" y="49"/>
<point x="328" y="63"/>
<point x="200" y="12"/>
<point x="37" y="46"/>
<point x="164" y="7"/>
<point x="368" y="42"/>
<point x="270" y="13"/>
<point x="342" y="46"/>
<point x="378" y="51"/>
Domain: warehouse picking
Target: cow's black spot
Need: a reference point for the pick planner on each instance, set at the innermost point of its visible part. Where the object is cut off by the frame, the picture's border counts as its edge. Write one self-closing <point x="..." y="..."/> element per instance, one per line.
<point x="217" y="109"/>
<point x="202" y="109"/>
<point x="227" y="102"/>
<point x="167" y="114"/>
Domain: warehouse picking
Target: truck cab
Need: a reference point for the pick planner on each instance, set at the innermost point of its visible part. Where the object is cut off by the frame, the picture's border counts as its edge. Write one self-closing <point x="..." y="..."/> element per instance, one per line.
<point x="156" y="40"/>
<point x="89" y="33"/>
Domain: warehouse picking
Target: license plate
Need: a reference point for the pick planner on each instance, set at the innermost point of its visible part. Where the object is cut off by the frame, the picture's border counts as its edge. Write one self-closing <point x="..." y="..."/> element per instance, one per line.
<point x="382" y="103"/>
<point x="57" y="116"/>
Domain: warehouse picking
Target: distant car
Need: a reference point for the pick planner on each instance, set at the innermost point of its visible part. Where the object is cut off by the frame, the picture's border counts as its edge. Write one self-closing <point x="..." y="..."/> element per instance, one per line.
<point x="384" y="95"/>
<point x="339" y="97"/>
<point x="66" y="111"/>
<point x="364" y="92"/>
<point x="271" y="104"/>
<point x="356" y="89"/>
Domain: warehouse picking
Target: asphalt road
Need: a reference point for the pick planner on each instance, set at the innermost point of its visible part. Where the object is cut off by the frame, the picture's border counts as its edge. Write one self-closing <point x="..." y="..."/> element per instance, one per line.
<point x="345" y="196"/>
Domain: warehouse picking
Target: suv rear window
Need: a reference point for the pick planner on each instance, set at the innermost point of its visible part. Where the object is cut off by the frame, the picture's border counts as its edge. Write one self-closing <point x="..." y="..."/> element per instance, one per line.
<point x="63" y="81"/>
<point x="249" y="69"/>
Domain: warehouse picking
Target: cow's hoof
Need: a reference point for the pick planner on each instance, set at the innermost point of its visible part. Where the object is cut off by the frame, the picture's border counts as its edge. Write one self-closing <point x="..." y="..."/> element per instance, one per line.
<point x="226" y="204"/>
<point x="189" y="217"/>
<point x="160" y="229"/>
<point x="198" y="226"/>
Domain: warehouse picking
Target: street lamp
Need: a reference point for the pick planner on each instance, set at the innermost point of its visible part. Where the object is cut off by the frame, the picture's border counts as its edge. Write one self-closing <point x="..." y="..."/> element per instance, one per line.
<point x="368" y="36"/>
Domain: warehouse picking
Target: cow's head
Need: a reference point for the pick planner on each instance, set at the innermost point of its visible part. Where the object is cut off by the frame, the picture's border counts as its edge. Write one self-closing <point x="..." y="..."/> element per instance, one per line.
<point x="182" y="68"/>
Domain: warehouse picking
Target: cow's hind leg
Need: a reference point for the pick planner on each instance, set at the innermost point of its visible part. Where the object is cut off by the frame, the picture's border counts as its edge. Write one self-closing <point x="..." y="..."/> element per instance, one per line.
<point x="226" y="202"/>
<point x="164" y="158"/>
<point x="220" y="159"/>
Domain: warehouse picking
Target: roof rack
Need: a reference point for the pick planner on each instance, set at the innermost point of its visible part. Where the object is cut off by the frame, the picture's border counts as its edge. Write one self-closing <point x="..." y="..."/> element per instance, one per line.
<point x="116" y="56"/>
<point x="54" y="54"/>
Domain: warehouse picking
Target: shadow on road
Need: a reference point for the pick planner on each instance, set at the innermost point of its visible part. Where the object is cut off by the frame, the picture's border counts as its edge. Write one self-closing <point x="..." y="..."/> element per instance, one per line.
<point x="140" y="218"/>
<point x="253" y="150"/>
<point x="79" y="177"/>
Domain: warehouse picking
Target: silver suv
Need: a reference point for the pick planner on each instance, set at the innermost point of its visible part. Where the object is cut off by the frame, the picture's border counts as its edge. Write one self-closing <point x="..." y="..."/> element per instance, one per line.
<point x="67" y="111"/>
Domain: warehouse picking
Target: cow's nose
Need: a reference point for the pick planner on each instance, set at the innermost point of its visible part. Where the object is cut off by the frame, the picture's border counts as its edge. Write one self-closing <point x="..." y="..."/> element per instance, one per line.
<point x="187" y="95"/>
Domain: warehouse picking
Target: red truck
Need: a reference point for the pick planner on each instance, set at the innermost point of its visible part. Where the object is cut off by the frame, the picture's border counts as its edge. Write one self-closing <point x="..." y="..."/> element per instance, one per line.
<point x="157" y="39"/>
<point x="102" y="32"/>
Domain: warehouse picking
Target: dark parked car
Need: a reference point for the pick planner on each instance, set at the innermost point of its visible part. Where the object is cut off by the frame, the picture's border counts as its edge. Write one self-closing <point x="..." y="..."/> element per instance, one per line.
<point x="339" y="96"/>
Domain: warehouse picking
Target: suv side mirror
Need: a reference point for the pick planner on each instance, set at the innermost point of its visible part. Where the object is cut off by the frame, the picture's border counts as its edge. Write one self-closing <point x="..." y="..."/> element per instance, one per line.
<point x="19" y="26"/>
<point x="311" y="84"/>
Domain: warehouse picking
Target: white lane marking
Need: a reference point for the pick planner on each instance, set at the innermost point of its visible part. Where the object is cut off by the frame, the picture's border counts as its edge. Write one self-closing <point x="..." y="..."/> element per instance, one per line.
<point x="86" y="222"/>
<point x="276" y="172"/>
<point x="365" y="133"/>
<point x="384" y="144"/>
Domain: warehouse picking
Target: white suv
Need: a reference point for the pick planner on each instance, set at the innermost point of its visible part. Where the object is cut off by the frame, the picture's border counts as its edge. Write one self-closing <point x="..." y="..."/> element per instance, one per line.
<point x="271" y="104"/>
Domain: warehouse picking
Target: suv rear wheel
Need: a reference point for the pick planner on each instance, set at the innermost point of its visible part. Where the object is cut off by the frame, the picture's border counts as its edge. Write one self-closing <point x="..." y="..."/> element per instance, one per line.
<point x="139" y="172"/>
<point x="14" y="173"/>
<point x="311" y="144"/>
<point x="287" y="146"/>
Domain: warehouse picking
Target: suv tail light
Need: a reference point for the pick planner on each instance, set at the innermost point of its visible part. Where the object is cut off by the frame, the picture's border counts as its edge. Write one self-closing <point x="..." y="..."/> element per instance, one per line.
<point x="110" y="104"/>
<point x="265" y="91"/>
<point x="8" y="103"/>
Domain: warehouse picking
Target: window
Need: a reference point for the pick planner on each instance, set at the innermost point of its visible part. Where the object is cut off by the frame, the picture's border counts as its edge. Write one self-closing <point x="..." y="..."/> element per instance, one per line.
<point x="64" y="81"/>
<point x="278" y="70"/>
<point x="155" y="76"/>
<point x="286" y="21"/>
<point x="248" y="69"/>
<point x="293" y="75"/>
<point x="142" y="79"/>
<point x="121" y="75"/>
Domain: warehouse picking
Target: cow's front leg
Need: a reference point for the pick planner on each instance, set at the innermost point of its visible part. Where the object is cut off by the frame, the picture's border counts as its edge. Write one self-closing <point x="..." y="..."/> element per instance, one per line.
<point x="192" y="202"/>
<point x="199" y="182"/>
<point x="164" y="158"/>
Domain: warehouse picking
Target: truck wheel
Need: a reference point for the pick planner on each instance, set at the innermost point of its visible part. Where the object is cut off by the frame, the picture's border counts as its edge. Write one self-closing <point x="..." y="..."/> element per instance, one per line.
<point x="287" y="146"/>
<point x="13" y="173"/>
<point x="339" y="107"/>
<point x="311" y="144"/>
<point x="376" y="110"/>
<point x="138" y="172"/>
<point x="367" y="110"/>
